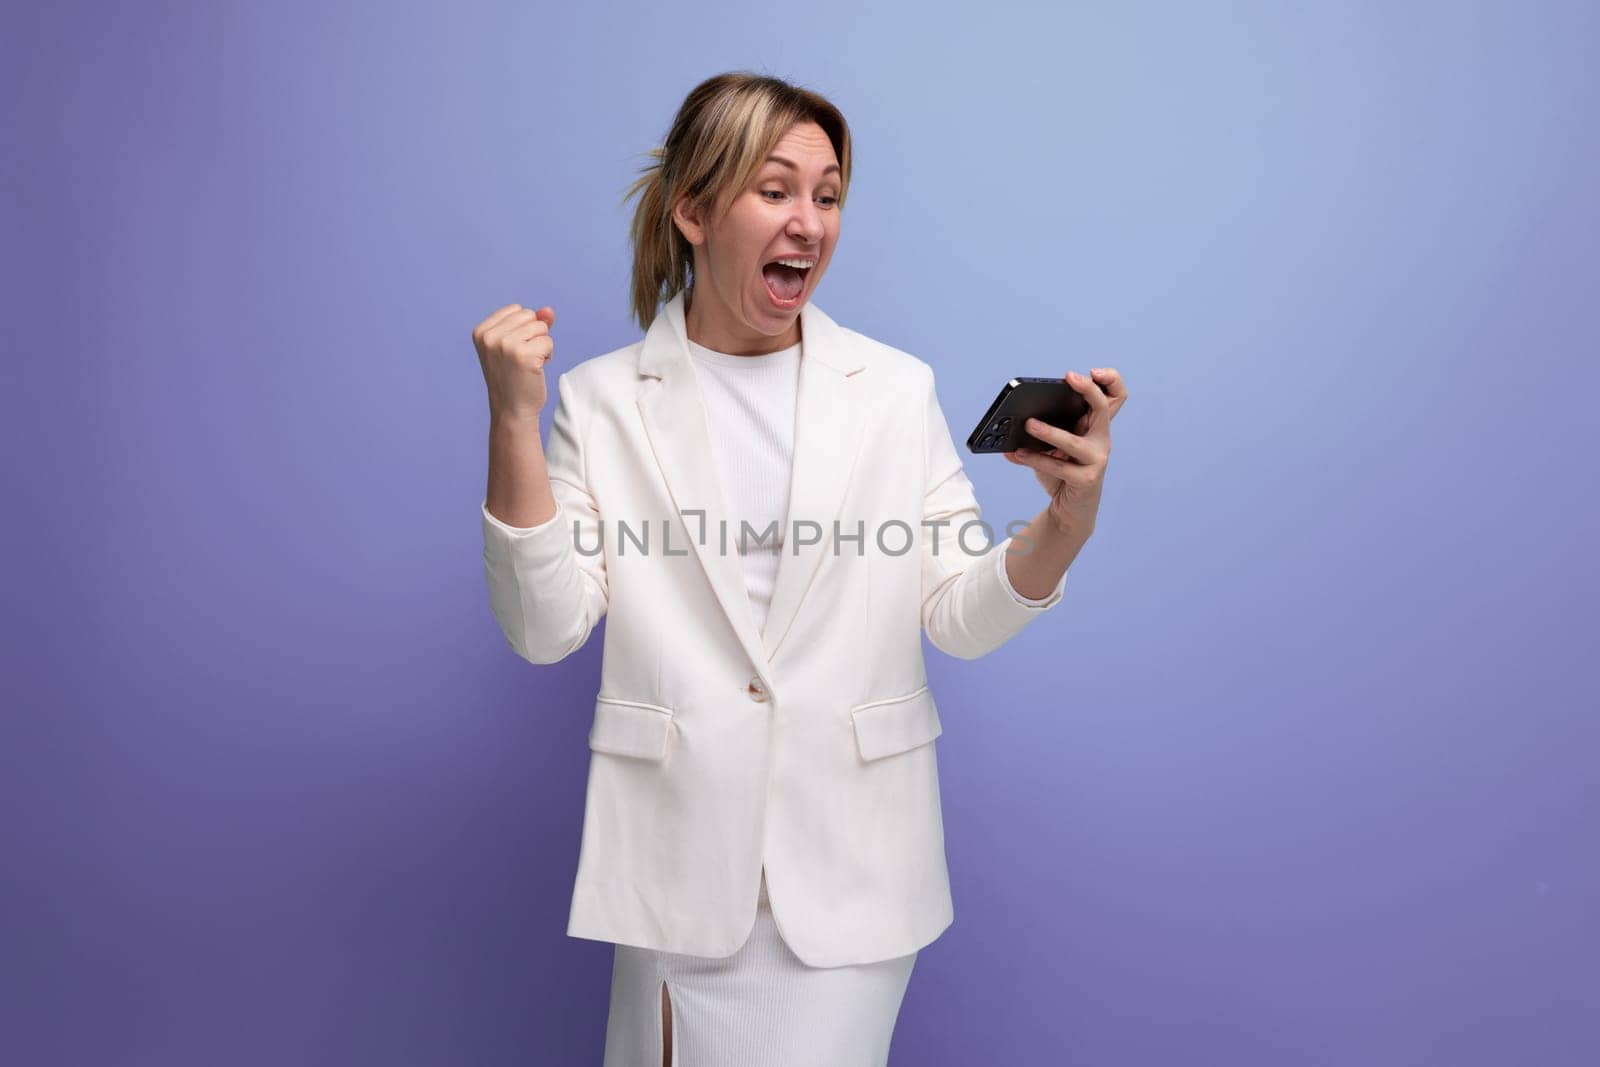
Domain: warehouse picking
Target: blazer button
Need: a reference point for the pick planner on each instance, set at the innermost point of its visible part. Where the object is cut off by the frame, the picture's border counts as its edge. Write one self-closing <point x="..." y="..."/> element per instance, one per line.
<point x="757" y="691"/>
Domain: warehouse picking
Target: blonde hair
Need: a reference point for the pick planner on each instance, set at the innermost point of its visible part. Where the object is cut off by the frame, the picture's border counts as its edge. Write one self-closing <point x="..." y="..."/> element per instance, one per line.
<point x="723" y="132"/>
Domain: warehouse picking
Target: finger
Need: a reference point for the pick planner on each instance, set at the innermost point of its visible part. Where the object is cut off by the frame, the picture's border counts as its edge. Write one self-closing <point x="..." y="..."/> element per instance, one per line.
<point x="493" y="319"/>
<point x="1090" y="392"/>
<point x="543" y="349"/>
<point x="534" y="327"/>
<point x="1022" y="461"/>
<point x="1102" y="409"/>
<point x="1111" y="384"/>
<point x="1070" y="443"/>
<point x="546" y="314"/>
<point x="1110" y="381"/>
<point x="518" y="326"/>
<point x="1075" y="474"/>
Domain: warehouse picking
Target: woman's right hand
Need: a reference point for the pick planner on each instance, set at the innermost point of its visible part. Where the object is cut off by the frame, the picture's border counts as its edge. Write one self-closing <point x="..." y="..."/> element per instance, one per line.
<point x="513" y="346"/>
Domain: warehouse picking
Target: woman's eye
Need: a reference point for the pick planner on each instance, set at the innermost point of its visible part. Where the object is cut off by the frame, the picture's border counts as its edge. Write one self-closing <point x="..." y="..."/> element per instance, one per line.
<point x="775" y="192"/>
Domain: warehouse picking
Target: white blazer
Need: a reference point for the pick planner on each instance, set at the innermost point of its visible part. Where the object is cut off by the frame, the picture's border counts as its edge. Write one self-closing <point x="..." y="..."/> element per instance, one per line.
<point x="715" y="747"/>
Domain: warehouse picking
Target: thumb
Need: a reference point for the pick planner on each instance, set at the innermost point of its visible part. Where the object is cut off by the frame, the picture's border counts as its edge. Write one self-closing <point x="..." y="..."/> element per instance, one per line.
<point x="547" y="314"/>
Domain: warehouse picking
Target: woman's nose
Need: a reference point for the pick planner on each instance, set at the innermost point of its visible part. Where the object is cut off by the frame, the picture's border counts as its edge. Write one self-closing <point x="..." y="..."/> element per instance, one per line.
<point x="806" y="223"/>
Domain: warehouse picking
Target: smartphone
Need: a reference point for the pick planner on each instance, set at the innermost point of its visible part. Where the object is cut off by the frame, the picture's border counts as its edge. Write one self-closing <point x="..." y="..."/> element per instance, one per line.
<point x="1051" y="400"/>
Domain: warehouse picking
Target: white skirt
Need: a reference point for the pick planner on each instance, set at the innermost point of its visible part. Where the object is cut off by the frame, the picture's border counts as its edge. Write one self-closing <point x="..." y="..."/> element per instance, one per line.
<point x="760" y="1007"/>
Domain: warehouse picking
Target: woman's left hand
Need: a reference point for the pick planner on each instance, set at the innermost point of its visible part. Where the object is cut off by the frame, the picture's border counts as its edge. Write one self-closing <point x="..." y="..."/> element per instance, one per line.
<point x="1073" y="471"/>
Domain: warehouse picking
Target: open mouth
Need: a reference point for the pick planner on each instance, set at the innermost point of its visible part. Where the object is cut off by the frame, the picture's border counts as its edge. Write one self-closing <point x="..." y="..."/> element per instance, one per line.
<point x="785" y="283"/>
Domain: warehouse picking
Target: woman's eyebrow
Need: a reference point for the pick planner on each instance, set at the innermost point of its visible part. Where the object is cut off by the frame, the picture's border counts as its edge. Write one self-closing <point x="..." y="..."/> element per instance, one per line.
<point x="794" y="166"/>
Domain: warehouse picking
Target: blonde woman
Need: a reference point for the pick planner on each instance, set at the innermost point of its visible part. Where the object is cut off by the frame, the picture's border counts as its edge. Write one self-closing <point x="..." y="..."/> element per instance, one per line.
<point x="770" y="510"/>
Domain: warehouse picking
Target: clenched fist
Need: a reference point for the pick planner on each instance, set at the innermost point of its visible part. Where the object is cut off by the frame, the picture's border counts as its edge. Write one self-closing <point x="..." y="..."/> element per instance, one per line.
<point x="513" y="346"/>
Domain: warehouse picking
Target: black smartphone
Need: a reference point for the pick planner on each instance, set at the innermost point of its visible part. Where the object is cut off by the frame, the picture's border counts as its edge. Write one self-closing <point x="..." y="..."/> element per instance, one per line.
<point x="1051" y="400"/>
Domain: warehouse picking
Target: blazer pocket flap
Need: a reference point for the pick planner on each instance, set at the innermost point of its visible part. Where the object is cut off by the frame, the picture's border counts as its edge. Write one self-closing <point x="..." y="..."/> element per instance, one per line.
<point x="630" y="728"/>
<point x="896" y="724"/>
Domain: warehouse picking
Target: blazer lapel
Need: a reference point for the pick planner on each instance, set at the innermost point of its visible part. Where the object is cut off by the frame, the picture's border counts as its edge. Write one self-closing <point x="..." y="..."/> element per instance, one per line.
<point x="827" y="437"/>
<point x="829" y="414"/>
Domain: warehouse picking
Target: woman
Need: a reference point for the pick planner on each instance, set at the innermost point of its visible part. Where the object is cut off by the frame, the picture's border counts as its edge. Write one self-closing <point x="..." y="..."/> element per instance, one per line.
<point x="763" y="719"/>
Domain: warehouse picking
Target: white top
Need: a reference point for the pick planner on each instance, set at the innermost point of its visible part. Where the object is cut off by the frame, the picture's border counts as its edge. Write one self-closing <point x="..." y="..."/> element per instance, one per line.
<point x="749" y="402"/>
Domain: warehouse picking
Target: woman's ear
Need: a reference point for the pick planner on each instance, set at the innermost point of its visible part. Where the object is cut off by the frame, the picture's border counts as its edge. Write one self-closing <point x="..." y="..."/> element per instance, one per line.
<point x="687" y="218"/>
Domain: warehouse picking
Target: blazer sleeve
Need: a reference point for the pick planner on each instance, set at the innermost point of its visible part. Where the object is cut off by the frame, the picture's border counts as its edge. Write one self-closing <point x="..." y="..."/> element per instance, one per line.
<point x="969" y="606"/>
<point x="546" y="595"/>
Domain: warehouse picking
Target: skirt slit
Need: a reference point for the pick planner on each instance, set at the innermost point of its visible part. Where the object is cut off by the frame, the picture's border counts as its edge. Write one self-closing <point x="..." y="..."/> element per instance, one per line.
<point x="760" y="1007"/>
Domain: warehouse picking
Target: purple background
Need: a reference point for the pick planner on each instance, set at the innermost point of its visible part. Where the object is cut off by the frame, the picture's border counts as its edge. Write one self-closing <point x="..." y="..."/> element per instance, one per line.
<point x="1311" y="741"/>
